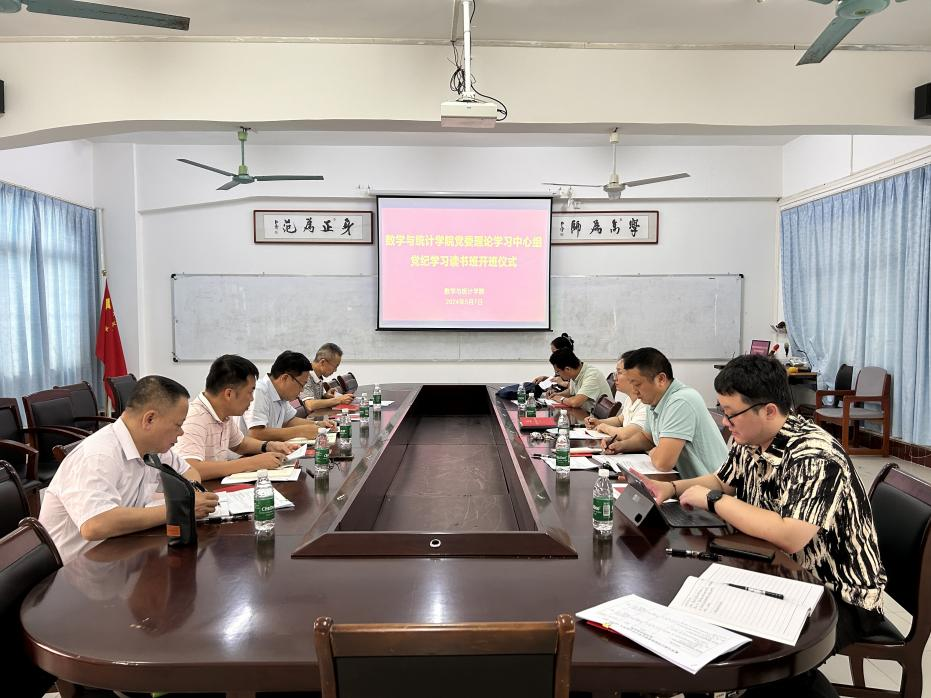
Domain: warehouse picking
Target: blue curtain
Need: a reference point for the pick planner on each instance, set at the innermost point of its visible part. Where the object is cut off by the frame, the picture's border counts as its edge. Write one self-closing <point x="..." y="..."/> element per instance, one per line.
<point x="855" y="279"/>
<point x="48" y="292"/>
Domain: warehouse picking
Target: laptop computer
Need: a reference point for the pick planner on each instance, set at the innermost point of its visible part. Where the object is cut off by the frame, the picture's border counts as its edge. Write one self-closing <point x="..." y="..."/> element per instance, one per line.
<point x="637" y="504"/>
<point x="759" y="346"/>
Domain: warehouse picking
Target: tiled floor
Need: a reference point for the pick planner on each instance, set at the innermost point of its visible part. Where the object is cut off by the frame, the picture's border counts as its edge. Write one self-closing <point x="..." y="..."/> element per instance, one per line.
<point x="878" y="674"/>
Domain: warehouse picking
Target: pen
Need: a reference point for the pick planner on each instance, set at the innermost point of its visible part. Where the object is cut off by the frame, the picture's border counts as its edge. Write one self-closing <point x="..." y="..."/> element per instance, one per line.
<point x="675" y="552"/>
<point x="225" y="519"/>
<point x="197" y="486"/>
<point x="771" y="594"/>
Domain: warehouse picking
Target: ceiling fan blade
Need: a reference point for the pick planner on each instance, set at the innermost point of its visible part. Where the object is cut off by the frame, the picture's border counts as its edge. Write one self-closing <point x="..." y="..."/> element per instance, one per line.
<point x="282" y="178"/>
<point x="229" y="185"/>
<point x="206" y="167"/>
<point x="107" y="13"/>
<point x="832" y="35"/>
<point x="566" y="184"/>
<point x="651" y="180"/>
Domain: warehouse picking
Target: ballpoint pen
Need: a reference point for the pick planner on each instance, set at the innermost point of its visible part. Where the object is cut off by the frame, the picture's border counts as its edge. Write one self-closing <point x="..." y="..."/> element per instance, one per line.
<point x="771" y="594"/>
<point x="226" y="519"/>
<point x="698" y="554"/>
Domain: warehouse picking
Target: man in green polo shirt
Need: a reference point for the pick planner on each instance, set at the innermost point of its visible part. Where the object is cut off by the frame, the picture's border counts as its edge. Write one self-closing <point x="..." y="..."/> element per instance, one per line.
<point x="680" y="432"/>
<point x="586" y="383"/>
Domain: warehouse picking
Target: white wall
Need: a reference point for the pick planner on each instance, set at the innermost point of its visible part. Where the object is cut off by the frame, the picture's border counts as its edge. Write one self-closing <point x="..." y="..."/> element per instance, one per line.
<point x="61" y="170"/>
<point x="701" y="232"/>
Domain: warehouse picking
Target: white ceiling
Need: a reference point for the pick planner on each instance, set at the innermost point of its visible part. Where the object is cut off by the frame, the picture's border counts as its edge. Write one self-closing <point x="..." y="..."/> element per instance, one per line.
<point x="662" y="22"/>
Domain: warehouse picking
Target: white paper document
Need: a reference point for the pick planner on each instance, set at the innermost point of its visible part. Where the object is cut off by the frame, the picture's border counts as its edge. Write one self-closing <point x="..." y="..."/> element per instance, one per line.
<point x="580" y="434"/>
<point x="575" y="463"/>
<point x="684" y="640"/>
<point x="744" y="611"/>
<point x="297" y="453"/>
<point x="799" y="593"/>
<point x="243" y="502"/>
<point x="637" y="461"/>
<point x="545" y="384"/>
<point x="285" y="474"/>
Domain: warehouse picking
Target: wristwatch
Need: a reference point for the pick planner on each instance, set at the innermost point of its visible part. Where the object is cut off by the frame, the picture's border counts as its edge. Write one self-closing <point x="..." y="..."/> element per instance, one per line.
<point x="713" y="497"/>
<point x="264" y="446"/>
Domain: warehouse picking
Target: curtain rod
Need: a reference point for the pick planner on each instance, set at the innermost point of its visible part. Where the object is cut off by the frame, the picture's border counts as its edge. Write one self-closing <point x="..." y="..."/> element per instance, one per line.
<point x="51" y="196"/>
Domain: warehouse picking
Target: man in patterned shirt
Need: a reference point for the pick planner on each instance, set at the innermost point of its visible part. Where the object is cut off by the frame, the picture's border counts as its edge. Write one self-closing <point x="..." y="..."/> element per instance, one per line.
<point x="314" y="396"/>
<point x="789" y="482"/>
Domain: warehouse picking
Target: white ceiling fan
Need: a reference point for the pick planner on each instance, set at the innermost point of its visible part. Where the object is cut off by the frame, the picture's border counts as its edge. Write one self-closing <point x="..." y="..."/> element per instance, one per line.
<point x="615" y="186"/>
<point x="849" y="14"/>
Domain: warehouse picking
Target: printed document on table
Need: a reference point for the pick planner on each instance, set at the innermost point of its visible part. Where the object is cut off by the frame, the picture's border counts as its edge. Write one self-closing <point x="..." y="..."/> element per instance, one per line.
<point x="580" y="434"/>
<point x="800" y="593"/>
<point x="677" y="637"/>
<point x="744" y="611"/>
<point x="243" y="502"/>
<point x="285" y="474"/>
<point x="575" y="463"/>
<point x="297" y="453"/>
<point x="545" y="384"/>
<point x="637" y="461"/>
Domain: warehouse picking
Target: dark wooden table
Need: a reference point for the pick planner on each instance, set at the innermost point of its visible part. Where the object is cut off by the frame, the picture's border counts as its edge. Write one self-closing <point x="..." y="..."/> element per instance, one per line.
<point x="235" y="614"/>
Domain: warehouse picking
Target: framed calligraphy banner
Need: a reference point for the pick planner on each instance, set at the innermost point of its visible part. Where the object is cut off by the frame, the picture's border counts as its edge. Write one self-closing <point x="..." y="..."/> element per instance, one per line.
<point x="312" y="226"/>
<point x="605" y="227"/>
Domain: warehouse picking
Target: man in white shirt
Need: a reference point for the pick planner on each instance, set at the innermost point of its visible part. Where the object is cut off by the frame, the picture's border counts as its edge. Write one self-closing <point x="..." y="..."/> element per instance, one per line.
<point x="586" y="383"/>
<point x="314" y="396"/>
<point x="103" y="486"/>
<point x="212" y="439"/>
<point x="271" y="416"/>
<point x="633" y="415"/>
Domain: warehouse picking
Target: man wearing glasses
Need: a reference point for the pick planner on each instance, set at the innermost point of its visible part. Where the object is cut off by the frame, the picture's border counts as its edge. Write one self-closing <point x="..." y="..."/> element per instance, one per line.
<point x="314" y="396"/>
<point x="271" y="416"/>
<point x="680" y="432"/>
<point x="789" y="482"/>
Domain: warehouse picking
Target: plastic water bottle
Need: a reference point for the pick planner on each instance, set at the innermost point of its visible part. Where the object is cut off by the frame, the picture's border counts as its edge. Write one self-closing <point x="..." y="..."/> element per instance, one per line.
<point x="562" y="425"/>
<point x="264" y="504"/>
<point x="531" y="405"/>
<point x="562" y="456"/>
<point x="344" y="435"/>
<point x="322" y="455"/>
<point x="376" y="399"/>
<point x="521" y="397"/>
<point x="364" y="410"/>
<point x="603" y="505"/>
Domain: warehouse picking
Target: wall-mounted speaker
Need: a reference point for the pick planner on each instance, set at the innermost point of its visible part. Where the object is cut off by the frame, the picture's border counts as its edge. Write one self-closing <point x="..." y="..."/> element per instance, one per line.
<point x="923" y="101"/>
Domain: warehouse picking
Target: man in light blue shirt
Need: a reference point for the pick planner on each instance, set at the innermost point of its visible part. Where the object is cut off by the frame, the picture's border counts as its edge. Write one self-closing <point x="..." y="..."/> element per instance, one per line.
<point x="680" y="432"/>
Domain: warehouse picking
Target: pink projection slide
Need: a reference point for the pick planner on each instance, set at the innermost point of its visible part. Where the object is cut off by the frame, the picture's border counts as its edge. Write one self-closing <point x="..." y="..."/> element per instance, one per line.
<point x="463" y="263"/>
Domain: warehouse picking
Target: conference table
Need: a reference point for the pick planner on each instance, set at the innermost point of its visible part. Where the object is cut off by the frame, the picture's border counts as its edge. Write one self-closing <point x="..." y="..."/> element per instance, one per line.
<point x="441" y="515"/>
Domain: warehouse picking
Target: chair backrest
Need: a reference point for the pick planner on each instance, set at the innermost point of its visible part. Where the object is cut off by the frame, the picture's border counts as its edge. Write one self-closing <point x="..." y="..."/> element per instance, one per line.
<point x="83" y="403"/>
<point x="13" y="504"/>
<point x="451" y="660"/>
<point x="27" y="556"/>
<point x="121" y="387"/>
<point x="844" y="378"/>
<point x="11" y="426"/>
<point x="901" y="506"/>
<point x="49" y="408"/>
<point x="603" y="408"/>
<point x="348" y="383"/>
<point x="872" y="380"/>
<point x="611" y="384"/>
<point x="61" y="451"/>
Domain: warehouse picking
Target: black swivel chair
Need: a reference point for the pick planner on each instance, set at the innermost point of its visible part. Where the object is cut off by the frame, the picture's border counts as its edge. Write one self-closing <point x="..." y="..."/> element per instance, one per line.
<point x="14" y="449"/>
<point x="13" y="504"/>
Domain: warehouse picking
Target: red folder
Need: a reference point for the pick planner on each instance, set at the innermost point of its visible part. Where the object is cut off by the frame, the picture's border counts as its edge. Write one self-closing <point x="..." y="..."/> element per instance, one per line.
<point x="533" y="423"/>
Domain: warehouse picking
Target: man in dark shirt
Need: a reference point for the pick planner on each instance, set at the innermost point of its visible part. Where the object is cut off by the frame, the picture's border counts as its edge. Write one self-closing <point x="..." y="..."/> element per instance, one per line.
<point x="789" y="482"/>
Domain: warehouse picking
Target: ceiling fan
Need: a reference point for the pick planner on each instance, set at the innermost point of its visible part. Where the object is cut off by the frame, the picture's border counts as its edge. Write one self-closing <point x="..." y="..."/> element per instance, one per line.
<point x="92" y="10"/>
<point x="615" y="186"/>
<point x="243" y="176"/>
<point x="849" y="14"/>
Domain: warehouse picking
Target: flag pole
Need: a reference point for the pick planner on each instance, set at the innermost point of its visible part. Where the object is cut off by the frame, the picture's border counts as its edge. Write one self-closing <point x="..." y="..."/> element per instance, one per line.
<point x="102" y="263"/>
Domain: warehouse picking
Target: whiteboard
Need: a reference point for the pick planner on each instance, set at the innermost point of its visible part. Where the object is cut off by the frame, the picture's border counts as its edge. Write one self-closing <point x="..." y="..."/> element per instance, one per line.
<point x="688" y="316"/>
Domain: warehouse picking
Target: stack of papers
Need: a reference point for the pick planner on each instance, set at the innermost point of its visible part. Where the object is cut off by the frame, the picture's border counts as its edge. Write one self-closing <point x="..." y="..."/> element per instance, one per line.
<point x="243" y="502"/>
<point x="574" y="463"/>
<point x="637" y="461"/>
<point x="297" y="453"/>
<point x="285" y="474"/>
<point x="684" y="640"/>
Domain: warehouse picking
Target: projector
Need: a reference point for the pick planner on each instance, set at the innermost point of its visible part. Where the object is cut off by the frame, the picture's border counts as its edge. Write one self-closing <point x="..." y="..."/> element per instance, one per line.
<point x="468" y="114"/>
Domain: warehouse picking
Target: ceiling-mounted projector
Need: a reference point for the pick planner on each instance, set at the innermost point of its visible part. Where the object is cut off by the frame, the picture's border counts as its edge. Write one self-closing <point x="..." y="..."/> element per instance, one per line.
<point x="468" y="114"/>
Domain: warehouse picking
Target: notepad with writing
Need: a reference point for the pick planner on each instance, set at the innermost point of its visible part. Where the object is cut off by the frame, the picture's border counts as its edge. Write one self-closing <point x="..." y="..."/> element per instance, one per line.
<point x="686" y="641"/>
<point x="747" y="612"/>
<point x="800" y="593"/>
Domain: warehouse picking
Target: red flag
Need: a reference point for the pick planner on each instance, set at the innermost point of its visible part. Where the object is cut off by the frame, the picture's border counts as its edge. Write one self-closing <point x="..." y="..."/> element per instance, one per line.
<point x="109" y="347"/>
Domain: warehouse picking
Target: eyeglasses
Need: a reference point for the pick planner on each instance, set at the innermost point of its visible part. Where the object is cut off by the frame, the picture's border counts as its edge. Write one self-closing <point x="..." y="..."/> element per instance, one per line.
<point x="730" y="417"/>
<point x="294" y="379"/>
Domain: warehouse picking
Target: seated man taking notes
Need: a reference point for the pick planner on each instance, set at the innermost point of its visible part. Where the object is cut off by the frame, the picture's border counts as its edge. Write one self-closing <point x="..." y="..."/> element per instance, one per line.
<point x="325" y="364"/>
<point x="212" y="438"/>
<point x="633" y="415"/>
<point x="102" y="487"/>
<point x="271" y="416"/>
<point x="789" y="482"/>
<point x="680" y="432"/>
<point x="586" y="383"/>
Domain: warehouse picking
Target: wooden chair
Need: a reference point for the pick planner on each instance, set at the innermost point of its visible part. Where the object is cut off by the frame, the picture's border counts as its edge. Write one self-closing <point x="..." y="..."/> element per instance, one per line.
<point x="456" y="660"/>
<point x="347" y="383"/>
<point x="901" y="507"/>
<point x="873" y="385"/>
<point x="121" y="387"/>
<point x="842" y="381"/>
<point x="51" y="423"/>
<point x="84" y="406"/>
<point x="15" y="450"/>
<point x="61" y="451"/>
<point x="13" y="504"/>
<point x="605" y="408"/>
<point x="611" y="383"/>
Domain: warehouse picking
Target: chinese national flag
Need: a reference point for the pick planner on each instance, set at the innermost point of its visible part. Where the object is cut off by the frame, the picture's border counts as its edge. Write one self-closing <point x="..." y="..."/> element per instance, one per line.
<point x="109" y="348"/>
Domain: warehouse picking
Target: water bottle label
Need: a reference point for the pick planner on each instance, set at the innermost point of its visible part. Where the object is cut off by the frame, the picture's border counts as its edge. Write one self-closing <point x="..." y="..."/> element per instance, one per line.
<point x="531" y="410"/>
<point x="376" y="399"/>
<point x="265" y="508"/>
<point x="345" y="431"/>
<point x="364" y="411"/>
<point x="602" y="509"/>
<point x="562" y="459"/>
<point x="322" y="456"/>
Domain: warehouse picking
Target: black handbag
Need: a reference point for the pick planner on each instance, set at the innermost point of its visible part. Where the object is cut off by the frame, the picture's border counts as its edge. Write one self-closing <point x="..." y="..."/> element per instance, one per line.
<point x="180" y="524"/>
<point x="509" y="392"/>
